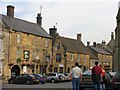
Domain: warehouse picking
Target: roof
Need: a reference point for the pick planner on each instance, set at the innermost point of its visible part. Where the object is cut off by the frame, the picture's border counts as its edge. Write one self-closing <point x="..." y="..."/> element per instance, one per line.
<point x="100" y="50"/>
<point x="74" y="45"/>
<point x="93" y="54"/>
<point x="118" y="15"/>
<point x="24" y="26"/>
<point x="111" y="45"/>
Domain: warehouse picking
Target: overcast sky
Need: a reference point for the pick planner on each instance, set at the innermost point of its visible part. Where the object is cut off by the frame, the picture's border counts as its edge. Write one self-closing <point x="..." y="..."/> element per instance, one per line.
<point x="94" y="19"/>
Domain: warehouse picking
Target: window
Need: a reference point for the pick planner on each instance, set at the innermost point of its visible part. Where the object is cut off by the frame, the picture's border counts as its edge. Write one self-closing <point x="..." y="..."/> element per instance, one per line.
<point x="61" y="70"/>
<point x="58" y="45"/>
<point x="58" y="57"/>
<point x="55" y="69"/>
<point x="71" y="57"/>
<point x="46" y="43"/>
<point x="18" y="53"/>
<point x="18" y="38"/>
<point x="78" y="57"/>
<point x="26" y="54"/>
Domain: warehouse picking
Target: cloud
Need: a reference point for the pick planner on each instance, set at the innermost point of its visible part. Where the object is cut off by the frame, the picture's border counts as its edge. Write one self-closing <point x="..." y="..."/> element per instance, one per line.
<point x="95" y="20"/>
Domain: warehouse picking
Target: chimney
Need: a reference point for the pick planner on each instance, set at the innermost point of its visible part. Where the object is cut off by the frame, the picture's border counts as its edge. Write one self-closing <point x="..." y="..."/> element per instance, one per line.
<point x="53" y="31"/>
<point x="94" y="44"/>
<point x="79" y="36"/>
<point x="112" y="36"/>
<point x="39" y="19"/>
<point x="103" y="43"/>
<point x="88" y="43"/>
<point x="10" y="11"/>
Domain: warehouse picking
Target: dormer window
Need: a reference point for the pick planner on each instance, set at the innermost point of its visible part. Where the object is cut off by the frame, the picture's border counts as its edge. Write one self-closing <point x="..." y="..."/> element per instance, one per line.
<point x="58" y="45"/>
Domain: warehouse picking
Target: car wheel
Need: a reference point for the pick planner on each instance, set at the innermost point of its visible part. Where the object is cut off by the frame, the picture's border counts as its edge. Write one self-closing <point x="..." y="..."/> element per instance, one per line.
<point x="52" y="80"/>
<point x="11" y="82"/>
<point x="42" y="82"/>
<point x="28" y="82"/>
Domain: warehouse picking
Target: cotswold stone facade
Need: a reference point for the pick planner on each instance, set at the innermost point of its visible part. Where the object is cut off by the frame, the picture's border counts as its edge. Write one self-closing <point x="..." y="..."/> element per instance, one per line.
<point x="67" y="51"/>
<point x="27" y="46"/>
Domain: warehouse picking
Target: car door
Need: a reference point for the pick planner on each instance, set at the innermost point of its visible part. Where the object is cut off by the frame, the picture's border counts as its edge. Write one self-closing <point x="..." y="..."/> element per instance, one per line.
<point x="108" y="81"/>
<point x="17" y="79"/>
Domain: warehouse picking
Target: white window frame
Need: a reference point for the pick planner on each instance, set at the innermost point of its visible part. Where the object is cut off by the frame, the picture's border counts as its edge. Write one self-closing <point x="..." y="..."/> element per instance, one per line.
<point x="18" y="38"/>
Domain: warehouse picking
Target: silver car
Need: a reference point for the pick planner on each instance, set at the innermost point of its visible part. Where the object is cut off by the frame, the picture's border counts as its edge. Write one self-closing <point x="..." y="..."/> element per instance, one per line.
<point x="52" y="77"/>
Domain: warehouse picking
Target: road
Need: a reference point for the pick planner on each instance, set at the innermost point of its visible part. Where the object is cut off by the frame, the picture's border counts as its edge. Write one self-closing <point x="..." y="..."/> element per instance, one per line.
<point x="46" y="86"/>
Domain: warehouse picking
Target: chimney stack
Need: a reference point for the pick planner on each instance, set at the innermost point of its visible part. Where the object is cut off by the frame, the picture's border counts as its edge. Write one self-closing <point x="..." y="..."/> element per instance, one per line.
<point x="53" y="31"/>
<point x="79" y="36"/>
<point x="88" y="43"/>
<point x="94" y="44"/>
<point x="103" y="43"/>
<point x="39" y="19"/>
<point x="10" y="11"/>
<point x="112" y="36"/>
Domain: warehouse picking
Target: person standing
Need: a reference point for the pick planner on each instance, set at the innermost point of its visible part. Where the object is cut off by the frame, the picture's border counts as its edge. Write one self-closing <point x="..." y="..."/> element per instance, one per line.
<point x="96" y="76"/>
<point x="103" y="79"/>
<point x="76" y="74"/>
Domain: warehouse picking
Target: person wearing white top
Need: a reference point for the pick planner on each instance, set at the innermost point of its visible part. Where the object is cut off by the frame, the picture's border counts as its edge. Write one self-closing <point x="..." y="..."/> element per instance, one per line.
<point x="76" y="74"/>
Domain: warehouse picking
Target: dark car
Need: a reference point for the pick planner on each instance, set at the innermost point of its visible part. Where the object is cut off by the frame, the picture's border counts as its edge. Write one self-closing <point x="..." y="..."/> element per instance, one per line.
<point x="116" y="81"/>
<point x="87" y="81"/>
<point x="36" y="79"/>
<point x="22" y="79"/>
<point x="42" y="79"/>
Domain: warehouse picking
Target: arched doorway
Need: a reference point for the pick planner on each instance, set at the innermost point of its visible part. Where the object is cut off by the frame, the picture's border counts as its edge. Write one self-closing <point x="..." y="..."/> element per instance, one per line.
<point x="15" y="70"/>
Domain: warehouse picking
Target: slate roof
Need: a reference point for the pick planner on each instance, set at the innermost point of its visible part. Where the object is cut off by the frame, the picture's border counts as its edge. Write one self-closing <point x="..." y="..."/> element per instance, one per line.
<point x="111" y="46"/>
<point x="93" y="54"/>
<point x="74" y="45"/>
<point x="24" y="26"/>
<point x="100" y="50"/>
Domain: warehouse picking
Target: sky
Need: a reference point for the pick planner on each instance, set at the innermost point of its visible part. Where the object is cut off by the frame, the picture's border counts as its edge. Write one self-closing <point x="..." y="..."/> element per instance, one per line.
<point x="94" y="19"/>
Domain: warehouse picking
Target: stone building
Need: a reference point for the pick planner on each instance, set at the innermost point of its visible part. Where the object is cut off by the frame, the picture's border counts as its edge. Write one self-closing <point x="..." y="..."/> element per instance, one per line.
<point x="100" y="54"/>
<point x="67" y="51"/>
<point x="27" y="46"/>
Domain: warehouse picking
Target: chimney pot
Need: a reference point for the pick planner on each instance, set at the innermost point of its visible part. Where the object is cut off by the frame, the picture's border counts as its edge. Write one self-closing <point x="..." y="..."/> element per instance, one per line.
<point x="112" y="36"/>
<point x="10" y="11"/>
<point x="79" y="36"/>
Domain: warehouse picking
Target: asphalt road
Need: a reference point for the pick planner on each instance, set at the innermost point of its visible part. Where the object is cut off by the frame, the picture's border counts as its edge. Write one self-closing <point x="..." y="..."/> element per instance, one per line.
<point x="46" y="86"/>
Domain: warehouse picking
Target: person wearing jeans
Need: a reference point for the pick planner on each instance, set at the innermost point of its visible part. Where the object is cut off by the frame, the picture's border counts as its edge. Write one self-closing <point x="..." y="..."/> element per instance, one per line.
<point x="96" y="76"/>
<point x="76" y="74"/>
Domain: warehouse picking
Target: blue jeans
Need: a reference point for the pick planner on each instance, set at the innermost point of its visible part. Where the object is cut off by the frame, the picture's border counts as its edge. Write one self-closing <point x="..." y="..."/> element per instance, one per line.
<point x="76" y="83"/>
<point x="97" y="86"/>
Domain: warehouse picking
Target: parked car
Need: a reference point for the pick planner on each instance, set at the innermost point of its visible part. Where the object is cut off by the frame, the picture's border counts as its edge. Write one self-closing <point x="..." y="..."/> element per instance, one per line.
<point x="36" y="79"/>
<point x="42" y="79"/>
<point x="53" y="77"/>
<point x="22" y="79"/>
<point x="67" y="77"/>
<point x="87" y="81"/>
<point x="116" y="81"/>
<point x="112" y="74"/>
